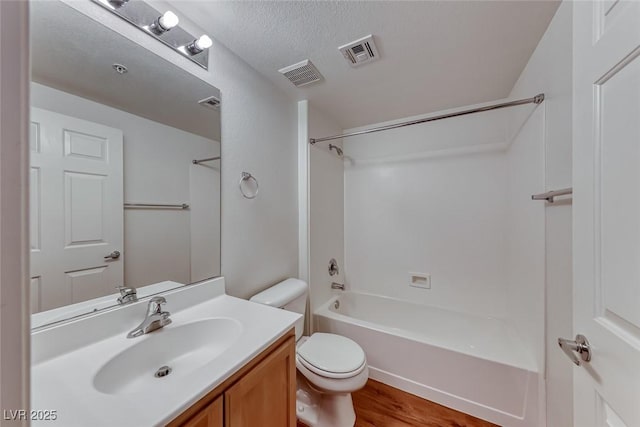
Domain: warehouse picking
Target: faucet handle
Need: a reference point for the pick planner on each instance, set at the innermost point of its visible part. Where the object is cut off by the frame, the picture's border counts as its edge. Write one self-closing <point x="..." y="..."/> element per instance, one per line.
<point x="335" y="285"/>
<point x="126" y="289"/>
<point x="155" y="304"/>
<point x="127" y="294"/>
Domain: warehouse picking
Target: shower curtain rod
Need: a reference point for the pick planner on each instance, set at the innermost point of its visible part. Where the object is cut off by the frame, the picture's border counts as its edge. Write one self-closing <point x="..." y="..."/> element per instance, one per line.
<point x="535" y="100"/>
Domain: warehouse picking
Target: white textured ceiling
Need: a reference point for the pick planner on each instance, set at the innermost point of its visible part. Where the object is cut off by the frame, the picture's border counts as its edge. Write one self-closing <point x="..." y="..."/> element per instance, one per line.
<point x="434" y="55"/>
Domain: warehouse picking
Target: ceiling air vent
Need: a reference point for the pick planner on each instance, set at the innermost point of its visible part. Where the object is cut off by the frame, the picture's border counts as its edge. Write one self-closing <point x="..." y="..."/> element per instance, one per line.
<point x="210" y="102"/>
<point x="360" y="51"/>
<point x="301" y="74"/>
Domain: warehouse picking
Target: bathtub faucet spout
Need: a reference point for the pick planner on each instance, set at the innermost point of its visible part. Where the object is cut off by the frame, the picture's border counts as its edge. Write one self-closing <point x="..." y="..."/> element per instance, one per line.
<point x="335" y="285"/>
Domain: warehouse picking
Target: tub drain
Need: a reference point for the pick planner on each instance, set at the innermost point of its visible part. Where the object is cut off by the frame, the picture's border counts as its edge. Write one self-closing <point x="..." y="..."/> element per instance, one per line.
<point x="162" y="372"/>
<point x="336" y="304"/>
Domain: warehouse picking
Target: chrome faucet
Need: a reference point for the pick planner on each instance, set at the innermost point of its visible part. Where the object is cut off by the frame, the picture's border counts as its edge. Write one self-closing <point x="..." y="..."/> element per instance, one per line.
<point x="155" y="318"/>
<point x="335" y="285"/>
<point x="127" y="295"/>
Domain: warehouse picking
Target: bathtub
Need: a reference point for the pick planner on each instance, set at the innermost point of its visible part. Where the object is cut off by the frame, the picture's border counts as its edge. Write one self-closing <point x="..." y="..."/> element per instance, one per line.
<point x="473" y="364"/>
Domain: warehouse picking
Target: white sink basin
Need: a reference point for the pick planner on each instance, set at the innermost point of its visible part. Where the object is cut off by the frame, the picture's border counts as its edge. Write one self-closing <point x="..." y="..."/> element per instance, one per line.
<point x="90" y="360"/>
<point x="183" y="349"/>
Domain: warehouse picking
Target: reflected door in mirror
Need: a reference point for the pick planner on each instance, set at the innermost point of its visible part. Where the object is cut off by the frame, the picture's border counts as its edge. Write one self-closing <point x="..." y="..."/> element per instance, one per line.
<point x="77" y="198"/>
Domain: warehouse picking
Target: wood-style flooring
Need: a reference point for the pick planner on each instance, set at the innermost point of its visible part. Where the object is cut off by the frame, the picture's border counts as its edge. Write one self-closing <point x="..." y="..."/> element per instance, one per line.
<point x="379" y="405"/>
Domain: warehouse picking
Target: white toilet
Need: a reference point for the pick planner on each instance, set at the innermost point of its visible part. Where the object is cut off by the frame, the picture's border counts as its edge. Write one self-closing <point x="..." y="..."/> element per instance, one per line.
<point x="330" y="366"/>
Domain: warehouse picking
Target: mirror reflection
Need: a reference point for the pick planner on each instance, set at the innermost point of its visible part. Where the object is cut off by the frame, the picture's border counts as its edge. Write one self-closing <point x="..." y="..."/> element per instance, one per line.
<point x="125" y="168"/>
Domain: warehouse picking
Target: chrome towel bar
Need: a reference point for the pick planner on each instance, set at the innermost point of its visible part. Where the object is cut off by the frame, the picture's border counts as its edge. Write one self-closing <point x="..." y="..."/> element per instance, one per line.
<point x="550" y="196"/>
<point x="155" y="205"/>
<point x="208" y="159"/>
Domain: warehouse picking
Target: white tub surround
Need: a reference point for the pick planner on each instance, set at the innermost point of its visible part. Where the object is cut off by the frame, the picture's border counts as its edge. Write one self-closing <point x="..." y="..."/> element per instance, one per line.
<point x="458" y="193"/>
<point x="67" y="358"/>
<point x="474" y="364"/>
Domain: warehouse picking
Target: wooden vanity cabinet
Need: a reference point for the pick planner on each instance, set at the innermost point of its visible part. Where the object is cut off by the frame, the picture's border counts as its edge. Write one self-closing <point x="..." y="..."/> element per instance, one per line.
<point x="262" y="393"/>
<point x="265" y="396"/>
<point x="211" y="416"/>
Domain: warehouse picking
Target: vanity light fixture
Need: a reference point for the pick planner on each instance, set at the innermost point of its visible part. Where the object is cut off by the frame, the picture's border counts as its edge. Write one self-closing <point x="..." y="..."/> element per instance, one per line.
<point x="203" y="43"/>
<point x="164" y="23"/>
<point x="157" y="25"/>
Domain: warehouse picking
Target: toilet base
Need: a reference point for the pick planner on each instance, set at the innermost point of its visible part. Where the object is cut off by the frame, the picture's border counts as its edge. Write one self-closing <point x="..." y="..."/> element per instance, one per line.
<point x="317" y="409"/>
<point x="307" y="410"/>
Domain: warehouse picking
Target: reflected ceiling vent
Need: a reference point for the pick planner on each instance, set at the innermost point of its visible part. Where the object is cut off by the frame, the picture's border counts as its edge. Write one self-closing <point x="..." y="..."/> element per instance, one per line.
<point x="360" y="51"/>
<point x="210" y="102"/>
<point x="302" y="74"/>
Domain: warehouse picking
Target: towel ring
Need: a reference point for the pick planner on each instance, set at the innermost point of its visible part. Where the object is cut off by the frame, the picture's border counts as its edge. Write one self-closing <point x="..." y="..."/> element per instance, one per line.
<point x="246" y="176"/>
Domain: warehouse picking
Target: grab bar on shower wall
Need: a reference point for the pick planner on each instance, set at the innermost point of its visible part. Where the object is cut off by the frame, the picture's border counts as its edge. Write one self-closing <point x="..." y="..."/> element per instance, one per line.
<point x="550" y="196"/>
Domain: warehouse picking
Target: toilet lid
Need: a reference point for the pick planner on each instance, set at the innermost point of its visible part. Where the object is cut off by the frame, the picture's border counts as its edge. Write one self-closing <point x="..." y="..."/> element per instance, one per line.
<point x="332" y="353"/>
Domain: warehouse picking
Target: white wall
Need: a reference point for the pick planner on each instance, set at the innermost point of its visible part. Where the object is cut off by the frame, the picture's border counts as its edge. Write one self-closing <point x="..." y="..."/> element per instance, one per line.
<point x="303" y="190"/>
<point x="157" y="169"/>
<point x="259" y="236"/>
<point x="550" y="70"/>
<point x="430" y="199"/>
<point x="326" y="208"/>
<point x="14" y="211"/>
<point x="204" y="199"/>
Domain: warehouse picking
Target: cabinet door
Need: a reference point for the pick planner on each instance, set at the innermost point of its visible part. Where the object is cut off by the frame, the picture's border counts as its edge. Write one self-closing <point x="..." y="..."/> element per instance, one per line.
<point x="266" y="396"/>
<point x="210" y="416"/>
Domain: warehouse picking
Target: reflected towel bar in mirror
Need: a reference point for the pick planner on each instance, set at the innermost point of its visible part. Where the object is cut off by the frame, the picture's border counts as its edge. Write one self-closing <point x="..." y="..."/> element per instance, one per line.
<point x="155" y="205"/>
<point x="208" y="159"/>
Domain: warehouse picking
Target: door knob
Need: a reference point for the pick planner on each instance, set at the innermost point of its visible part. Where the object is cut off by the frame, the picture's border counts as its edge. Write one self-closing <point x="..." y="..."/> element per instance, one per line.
<point x="580" y="346"/>
<point x="113" y="255"/>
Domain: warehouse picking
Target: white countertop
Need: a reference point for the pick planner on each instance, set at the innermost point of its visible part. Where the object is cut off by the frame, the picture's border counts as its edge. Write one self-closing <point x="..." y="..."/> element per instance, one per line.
<point x="67" y="357"/>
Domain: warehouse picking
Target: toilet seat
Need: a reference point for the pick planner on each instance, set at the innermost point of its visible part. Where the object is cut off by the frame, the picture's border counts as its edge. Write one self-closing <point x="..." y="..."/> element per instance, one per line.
<point x="331" y="356"/>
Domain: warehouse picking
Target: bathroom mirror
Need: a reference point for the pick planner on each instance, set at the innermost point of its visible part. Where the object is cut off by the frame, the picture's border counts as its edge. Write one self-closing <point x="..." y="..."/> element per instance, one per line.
<point x="125" y="168"/>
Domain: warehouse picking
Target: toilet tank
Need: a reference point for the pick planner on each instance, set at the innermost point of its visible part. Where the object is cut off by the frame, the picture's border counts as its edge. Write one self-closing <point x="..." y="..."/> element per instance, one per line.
<point x="290" y="295"/>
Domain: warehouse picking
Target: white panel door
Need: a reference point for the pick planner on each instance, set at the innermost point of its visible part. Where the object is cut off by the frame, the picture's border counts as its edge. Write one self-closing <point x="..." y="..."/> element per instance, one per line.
<point x="76" y="209"/>
<point x="606" y="210"/>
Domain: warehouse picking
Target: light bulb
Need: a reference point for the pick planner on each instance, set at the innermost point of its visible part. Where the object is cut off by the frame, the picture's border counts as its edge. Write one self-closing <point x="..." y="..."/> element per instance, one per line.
<point x="204" y="42"/>
<point x="168" y="20"/>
